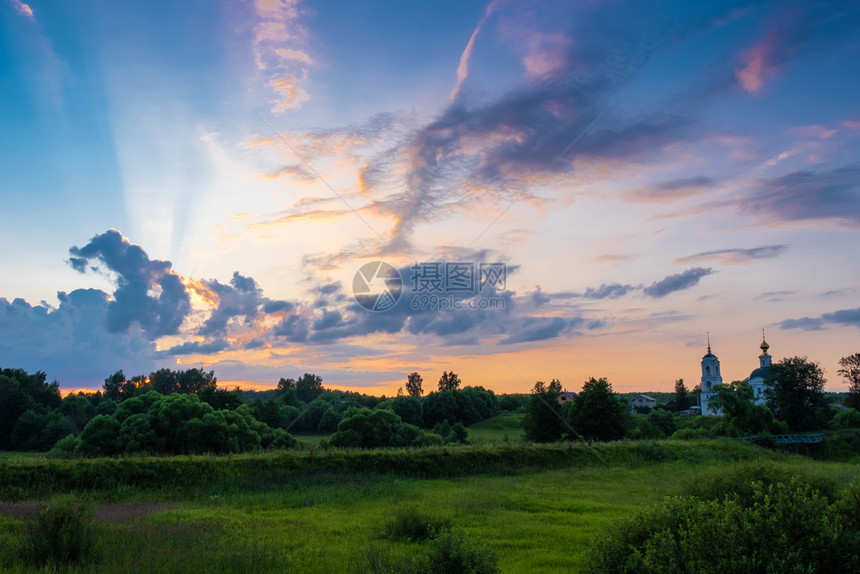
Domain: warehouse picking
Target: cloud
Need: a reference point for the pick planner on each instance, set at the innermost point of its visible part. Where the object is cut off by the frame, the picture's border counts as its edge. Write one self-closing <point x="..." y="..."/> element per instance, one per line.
<point x="463" y="66"/>
<point x="735" y="256"/>
<point x="22" y="8"/>
<point x="278" y="48"/>
<point x="70" y="342"/>
<point x="808" y="195"/>
<point x="849" y="317"/>
<point x="194" y="347"/>
<point x="291" y="93"/>
<point x="670" y="190"/>
<point x="677" y="282"/>
<point x="760" y="62"/>
<point x="148" y="292"/>
<point x="242" y="300"/>
<point x="297" y="172"/>
<point x="610" y="291"/>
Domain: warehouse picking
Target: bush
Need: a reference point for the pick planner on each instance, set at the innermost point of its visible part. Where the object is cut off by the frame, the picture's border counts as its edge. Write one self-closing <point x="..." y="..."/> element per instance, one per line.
<point x="65" y="447"/>
<point x="779" y="527"/>
<point x="62" y="534"/>
<point x="409" y="523"/>
<point x="449" y="552"/>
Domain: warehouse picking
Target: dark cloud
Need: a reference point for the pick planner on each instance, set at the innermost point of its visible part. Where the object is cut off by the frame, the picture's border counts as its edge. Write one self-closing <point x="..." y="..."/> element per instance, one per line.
<point x="676" y="282"/>
<point x="610" y="291"/>
<point x="539" y="329"/>
<point x="243" y="300"/>
<point x="805" y="323"/>
<point x="735" y="256"/>
<point x="193" y="347"/>
<point x="849" y="317"/>
<point x="70" y="342"/>
<point x="805" y="195"/>
<point x="148" y="292"/>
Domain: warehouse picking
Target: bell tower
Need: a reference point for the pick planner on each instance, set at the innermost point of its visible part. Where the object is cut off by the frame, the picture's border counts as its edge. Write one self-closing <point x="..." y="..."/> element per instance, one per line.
<point x="711" y="378"/>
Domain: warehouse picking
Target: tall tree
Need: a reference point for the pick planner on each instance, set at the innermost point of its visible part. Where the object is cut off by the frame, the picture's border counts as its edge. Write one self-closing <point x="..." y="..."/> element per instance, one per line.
<point x="449" y="381"/>
<point x="309" y="387"/>
<point x="113" y="385"/>
<point x="413" y="385"/>
<point x="543" y="421"/>
<point x="682" y="397"/>
<point x="795" y="393"/>
<point x="597" y="412"/>
<point x="850" y="369"/>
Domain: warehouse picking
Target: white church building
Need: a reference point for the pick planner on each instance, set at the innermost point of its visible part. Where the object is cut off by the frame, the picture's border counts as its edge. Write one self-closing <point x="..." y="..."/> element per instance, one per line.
<point x="711" y="377"/>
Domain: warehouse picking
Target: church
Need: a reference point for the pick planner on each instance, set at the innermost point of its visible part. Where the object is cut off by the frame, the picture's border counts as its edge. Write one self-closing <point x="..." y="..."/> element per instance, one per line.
<point x="711" y="377"/>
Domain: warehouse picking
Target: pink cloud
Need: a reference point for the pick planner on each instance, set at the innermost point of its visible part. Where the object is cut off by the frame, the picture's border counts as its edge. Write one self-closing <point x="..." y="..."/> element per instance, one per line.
<point x="22" y="9"/>
<point x="813" y="131"/>
<point x="759" y="63"/>
<point x="852" y="124"/>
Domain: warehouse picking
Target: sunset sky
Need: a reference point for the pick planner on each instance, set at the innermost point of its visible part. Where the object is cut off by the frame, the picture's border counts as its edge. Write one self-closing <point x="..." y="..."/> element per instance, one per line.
<point x="197" y="184"/>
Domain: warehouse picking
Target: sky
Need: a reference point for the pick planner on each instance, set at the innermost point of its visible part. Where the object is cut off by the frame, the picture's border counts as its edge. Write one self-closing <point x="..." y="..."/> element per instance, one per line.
<point x="514" y="190"/>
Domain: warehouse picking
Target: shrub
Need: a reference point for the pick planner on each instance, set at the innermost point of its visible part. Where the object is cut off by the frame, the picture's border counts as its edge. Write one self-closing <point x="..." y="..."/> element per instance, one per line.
<point x="449" y="551"/>
<point x="62" y="534"/>
<point x="65" y="447"/>
<point x="409" y="523"/>
<point x="780" y="527"/>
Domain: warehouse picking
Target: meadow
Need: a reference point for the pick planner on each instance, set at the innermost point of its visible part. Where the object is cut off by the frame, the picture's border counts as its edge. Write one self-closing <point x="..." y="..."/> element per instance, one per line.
<point x="536" y="507"/>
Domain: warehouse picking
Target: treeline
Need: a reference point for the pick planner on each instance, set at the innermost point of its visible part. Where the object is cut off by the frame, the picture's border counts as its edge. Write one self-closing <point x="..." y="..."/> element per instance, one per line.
<point x="794" y="395"/>
<point x="183" y="411"/>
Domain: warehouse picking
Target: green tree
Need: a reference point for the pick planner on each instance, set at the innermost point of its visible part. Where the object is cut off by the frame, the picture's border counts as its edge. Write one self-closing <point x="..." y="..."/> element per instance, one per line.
<point x="99" y="437"/>
<point x="543" y="421"/>
<point x="413" y="385"/>
<point x="408" y="409"/>
<point x="850" y="369"/>
<point x="795" y="393"/>
<point x="682" y="396"/>
<point x="113" y="386"/>
<point x="741" y="416"/>
<point x="449" y="381"/>
<point x="309" y="387"/>
<point x="21" y="392"/>
<point x="366" y="428"/>
<point x="597" y="413"/>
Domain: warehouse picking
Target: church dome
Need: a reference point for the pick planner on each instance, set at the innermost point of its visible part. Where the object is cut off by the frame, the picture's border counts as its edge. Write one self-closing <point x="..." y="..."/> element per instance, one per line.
<point x="760" y="373"/>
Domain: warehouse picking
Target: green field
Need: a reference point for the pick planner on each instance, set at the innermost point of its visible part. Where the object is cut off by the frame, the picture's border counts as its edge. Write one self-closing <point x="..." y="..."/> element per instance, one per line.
<point x="309" y="519"/>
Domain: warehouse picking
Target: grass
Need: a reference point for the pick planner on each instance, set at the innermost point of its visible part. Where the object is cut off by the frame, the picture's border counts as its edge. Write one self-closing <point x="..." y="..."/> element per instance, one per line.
<point x="507" y="427"/>
<point x="535" y="521"/>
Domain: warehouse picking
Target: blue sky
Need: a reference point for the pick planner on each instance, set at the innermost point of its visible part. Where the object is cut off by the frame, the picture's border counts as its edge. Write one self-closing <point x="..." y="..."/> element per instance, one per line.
<point x="198" y="184"/>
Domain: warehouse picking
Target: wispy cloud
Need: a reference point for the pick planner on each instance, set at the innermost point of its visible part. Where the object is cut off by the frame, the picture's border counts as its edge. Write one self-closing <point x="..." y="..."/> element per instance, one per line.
<point x="279" y="51"/>
<point x="850" y="317"/>
<point x="736" y="256"/>
<point x="677" y="282"/>
<point x="463" y="66"/>
<point x="671" y="190"/>
<point x="808" y="195"/>
<point x="22" y="8"/>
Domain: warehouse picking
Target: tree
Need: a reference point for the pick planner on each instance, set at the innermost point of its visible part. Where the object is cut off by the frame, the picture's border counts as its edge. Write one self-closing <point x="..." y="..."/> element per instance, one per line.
<point x="449" y="381"/>
<point x="597" y="413"/>
<point x="742" y="417"/>
<point x="113" y="385"/>
<point x="682" y="398"/>
<point x="543" y="420"/>
<point x="413" y="385"/>
<point x="795" y="393"/>
<point x="309" y="387"/>
<point x="851" y="371"/>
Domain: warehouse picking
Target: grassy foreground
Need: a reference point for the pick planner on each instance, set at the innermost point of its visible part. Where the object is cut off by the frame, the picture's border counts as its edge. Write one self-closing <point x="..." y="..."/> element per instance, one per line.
<point x="328" y="517"/>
